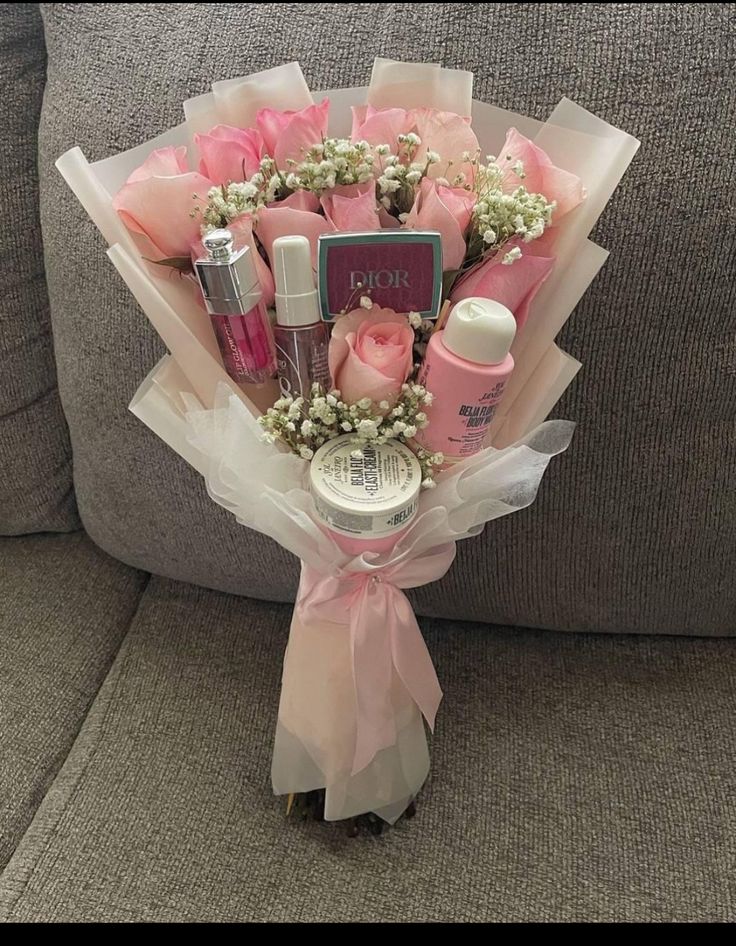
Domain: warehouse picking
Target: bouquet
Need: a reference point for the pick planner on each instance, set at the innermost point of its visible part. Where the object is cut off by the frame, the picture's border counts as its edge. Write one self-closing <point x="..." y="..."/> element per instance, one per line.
<point x="421" y="251"/>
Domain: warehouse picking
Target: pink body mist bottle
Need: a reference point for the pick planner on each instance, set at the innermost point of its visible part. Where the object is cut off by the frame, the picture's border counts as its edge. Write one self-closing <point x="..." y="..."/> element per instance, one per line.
<point x="466" y="368"/>
<point x="234" y="301"/>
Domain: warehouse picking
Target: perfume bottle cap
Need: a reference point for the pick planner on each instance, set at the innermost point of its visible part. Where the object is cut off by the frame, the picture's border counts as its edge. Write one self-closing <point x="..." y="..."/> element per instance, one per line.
<point x="481" y="331"/>
<point x="227" y="275"/>
<point x="297" y="302"/>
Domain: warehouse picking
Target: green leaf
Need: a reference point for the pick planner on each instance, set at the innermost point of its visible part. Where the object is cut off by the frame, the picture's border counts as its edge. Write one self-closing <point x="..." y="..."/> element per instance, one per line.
<point x="181" y="264"/>
<point x="448" y="282"/>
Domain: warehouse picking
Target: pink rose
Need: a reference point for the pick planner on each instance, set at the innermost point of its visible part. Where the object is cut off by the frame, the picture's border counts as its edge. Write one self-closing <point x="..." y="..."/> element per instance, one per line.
<point x="514" y="286"/>
<point x="230" y="154"/>
<point x="296" y="216"/>
<point x="447" y="134"/>
<point x="448" y="210"/>
<point x="542" y="176"/>
<point x="352" y="209"/>
<point x="371" y="355"/>
<point x="157" y="202"/>
<point x="288" y="135"/>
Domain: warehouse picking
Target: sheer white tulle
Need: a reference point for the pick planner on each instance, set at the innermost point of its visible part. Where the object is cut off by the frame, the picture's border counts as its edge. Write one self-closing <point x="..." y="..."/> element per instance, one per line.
<point x="266" y="488"/>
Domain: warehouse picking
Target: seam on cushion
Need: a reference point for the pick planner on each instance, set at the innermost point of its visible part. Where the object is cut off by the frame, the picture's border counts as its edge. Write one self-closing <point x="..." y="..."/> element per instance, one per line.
<point x="59" y="797"/>
<point x="39" y="399"/>
<point x="18" y="345"/>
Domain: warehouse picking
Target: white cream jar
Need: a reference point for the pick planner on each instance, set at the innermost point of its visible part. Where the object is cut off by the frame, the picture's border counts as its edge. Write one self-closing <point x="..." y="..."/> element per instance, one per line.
<point x="366" y="497"/>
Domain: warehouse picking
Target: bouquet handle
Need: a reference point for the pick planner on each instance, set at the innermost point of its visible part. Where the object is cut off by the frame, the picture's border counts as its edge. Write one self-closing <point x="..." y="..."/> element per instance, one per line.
<point x="358" y="684"/>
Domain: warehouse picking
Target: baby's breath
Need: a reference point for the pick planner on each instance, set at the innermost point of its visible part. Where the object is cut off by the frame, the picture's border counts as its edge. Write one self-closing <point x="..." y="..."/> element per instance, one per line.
<point x="500" y="217"/>
<point x="502" y="221"/>
<point x="306" y="424"/>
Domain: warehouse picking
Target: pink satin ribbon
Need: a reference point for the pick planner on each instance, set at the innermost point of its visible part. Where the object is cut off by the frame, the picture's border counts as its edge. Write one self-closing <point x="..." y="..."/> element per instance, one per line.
<point x="385" y="639"/>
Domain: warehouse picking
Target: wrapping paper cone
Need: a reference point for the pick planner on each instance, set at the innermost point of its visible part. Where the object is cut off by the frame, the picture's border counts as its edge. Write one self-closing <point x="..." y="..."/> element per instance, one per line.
<point x="359" y="688"/>
<point x="318" y="726"/>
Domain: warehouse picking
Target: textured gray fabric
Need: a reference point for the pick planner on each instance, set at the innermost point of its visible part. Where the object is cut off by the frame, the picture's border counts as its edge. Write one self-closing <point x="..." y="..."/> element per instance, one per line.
<point x="36" y="493"/>
<point x="64" y="608"/>
<point x="574" y="778"/>
<point x="635" y="530"/>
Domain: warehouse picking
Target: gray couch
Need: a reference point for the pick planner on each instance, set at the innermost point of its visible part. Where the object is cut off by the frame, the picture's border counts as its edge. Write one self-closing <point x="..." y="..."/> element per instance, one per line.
<point x="576" y="776"/>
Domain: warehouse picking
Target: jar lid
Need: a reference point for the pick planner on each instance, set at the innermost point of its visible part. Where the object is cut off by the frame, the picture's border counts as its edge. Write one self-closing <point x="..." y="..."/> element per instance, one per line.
<point x="368" y="493"/>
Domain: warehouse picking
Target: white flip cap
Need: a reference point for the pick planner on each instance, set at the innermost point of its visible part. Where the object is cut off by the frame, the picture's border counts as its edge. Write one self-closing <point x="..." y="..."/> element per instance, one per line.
<point x="481" y="331"/>
<point x="297" y="302"/>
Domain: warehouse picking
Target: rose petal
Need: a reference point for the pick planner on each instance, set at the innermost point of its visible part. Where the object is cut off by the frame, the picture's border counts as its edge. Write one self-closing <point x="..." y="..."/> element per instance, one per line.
<point x="242" y="230"/>
<point x="450" y="136"/>
<point x="381" y="126"/>
<point x="513" y="286"/>
<point x="270" y="123"/>
<point x="352" y="209"/>
<point x="388" y="348"/>
<point x="300" y="200"/>
<point x="542" y="176"/>
<point x="357" y="380"/>
<point x="288" y="135"/>
<point x="160" y="208"/>
<point x="448" y="211"/>
<point x="230" y="154"/>
<point x="277" y="221"/>
<point x="164" y="162"/>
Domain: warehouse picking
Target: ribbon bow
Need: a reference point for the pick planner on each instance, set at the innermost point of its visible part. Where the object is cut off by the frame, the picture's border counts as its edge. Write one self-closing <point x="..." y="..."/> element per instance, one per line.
<point x="385" y="640"/>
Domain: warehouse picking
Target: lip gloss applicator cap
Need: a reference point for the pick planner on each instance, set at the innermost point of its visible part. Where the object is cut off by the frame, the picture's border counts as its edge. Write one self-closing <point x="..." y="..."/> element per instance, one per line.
<point x="297" y="302"/>
<point x="228" y="276"/>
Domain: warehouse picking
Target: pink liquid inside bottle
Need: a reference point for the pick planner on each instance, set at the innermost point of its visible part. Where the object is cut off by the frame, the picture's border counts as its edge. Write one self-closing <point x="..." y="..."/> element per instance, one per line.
<point x="234" y="300"/>
<point x="302" y="338"/>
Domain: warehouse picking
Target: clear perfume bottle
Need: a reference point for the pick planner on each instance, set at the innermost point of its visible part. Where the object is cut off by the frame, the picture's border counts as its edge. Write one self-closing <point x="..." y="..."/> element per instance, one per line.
<point x="302" y="338"/>
<point x="234" y="300"/>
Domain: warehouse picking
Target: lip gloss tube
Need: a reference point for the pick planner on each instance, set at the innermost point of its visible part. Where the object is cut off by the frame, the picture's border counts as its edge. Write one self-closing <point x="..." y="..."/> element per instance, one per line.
<point x="234" y="300"/>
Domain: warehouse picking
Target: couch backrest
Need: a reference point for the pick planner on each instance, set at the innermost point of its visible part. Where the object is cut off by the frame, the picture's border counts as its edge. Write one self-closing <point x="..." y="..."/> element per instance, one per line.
<point x="635" y="528"/>
<point x="36" y="493"/>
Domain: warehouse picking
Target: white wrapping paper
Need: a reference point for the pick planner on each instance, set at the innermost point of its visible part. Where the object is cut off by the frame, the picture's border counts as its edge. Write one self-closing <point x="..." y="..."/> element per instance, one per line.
<point x="266" y="488"/>
<point x="576" y="140"/>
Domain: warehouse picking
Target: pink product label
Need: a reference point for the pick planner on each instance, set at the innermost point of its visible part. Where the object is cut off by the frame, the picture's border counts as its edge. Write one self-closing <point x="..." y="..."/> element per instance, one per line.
<point x="246" y="345"/>
<point x="399" y="276"/>
<point x="461" y="416"/>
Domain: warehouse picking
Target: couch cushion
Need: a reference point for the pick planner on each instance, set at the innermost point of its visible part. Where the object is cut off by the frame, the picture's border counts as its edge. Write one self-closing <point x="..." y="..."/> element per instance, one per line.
<point x="64" y="609"/>
<point x="575" y="778"/>
<point x="36" y="492"/>
<point x="635" y="530"/>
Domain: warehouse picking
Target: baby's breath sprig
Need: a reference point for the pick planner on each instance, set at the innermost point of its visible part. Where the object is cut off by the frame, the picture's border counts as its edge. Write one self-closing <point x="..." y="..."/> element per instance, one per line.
<point x="335" y="162"/>
<point x="227" y="203"/>
<point x="499" y="218"/>
<point x="400" y="176"/>
<point x="331" y="163"/>
<point x="306" y="424"/>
